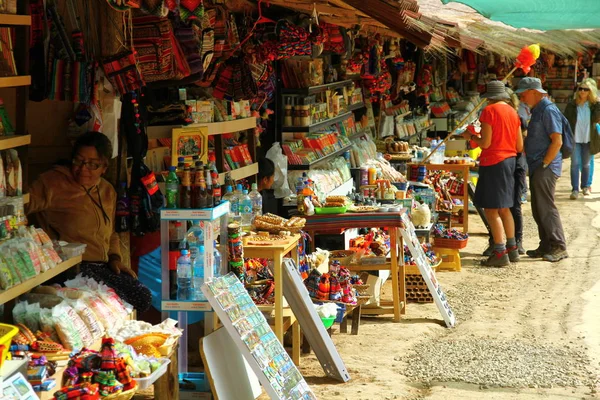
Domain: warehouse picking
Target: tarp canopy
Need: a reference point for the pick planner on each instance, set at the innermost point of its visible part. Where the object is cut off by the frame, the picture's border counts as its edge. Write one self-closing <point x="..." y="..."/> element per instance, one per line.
<point x="539" y="14"/>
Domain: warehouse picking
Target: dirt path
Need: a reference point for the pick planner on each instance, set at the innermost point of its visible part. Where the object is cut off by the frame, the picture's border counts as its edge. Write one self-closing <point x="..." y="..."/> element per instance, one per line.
<point x="533" y="303"/>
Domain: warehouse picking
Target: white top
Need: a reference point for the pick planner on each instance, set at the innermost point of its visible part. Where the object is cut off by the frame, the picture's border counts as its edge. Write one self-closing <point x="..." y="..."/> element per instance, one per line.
<point x="582" y="128"/>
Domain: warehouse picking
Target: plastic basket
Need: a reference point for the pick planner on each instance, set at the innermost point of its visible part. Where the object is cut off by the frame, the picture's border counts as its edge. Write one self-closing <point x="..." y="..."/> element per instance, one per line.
<point x="450" y="243"/>
<point x="7" y="332"/>
<point x="145" y="383"/>
<point x="330" y="210"/>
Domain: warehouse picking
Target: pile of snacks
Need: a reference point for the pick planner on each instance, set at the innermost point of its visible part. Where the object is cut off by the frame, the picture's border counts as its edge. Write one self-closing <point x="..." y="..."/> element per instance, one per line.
<point x="259" y="281"/>
<point x="141" y="366"/>
<point x="90" y="373"/>
<point x="27" y="253"/>
<point x="375" y="244"/>
<point x="71" y="318"/>
<point x="147" y="339"/>
<point x="276" y="224"/>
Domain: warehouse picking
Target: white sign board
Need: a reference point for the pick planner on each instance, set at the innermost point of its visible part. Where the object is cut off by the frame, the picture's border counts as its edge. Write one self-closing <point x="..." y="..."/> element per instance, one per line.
<point x="412" y="241"/>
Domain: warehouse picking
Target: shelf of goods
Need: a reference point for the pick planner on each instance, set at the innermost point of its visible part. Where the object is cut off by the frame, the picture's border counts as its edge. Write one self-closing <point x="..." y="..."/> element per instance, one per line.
<point x="15" y="81"/>
<point x="10" y="142"/>
<point x="14" y="19"/>
<point x="214" y="128"/>
<point x="319" y="125"/>
<point x="356" y="106"/>
<point x="16" y="291"/>
<point x="240" y="173"/>
<point x="318" y="89"/>
<point x="300" y="167"/>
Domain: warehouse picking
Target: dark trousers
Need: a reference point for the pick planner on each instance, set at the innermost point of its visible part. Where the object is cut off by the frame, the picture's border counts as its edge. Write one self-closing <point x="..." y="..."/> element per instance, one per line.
<point x="542" y="183"/>
<point x="520" y="186"/>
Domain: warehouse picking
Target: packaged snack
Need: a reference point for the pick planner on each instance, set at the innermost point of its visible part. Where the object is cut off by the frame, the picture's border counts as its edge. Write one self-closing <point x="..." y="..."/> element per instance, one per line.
<point x="72" y="331"/>
<point x="90" y="318"/>
<point x="33" y="232"/>
<point x="19" y="312"/>
<point x="44" y="238"/>
<point x="101" y="310"/>
<point x="22" y="264"/>
<point x="32" y="316"/>
<point x="14" y="177"/>
<point x="31" y="249"/>
<point x="47" y="324"/>
<point x="52" y="256"/>
<point x="114" y="302"/>
<point x="16" y="278"/>
<point x="6" y="278"/>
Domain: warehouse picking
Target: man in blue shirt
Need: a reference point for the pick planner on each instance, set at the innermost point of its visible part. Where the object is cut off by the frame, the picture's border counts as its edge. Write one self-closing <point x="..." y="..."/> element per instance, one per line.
<point x="544" y="160"/>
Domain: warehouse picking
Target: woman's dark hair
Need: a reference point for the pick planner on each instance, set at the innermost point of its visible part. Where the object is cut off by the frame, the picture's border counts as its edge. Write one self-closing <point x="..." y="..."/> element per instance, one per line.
<point x="94" y="139"/>
<point x="266" y="168"/>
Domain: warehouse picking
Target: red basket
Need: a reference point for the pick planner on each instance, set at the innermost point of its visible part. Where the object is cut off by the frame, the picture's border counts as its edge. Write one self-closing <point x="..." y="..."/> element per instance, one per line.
<point x="450" y="243"/>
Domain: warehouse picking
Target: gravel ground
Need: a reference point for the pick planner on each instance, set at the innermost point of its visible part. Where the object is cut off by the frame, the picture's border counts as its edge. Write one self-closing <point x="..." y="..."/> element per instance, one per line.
<point x="498" y="363"/>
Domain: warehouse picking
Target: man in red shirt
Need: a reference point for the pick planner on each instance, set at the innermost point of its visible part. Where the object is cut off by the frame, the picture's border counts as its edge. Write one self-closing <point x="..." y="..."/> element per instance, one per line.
<point x="500" y="141"/>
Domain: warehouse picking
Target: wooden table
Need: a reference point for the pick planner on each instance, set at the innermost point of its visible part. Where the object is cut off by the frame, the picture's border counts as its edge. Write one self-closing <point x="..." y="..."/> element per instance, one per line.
<point x="463" y="169"/>
<point x="276" y="253"/>
<point x="390" y="220"/>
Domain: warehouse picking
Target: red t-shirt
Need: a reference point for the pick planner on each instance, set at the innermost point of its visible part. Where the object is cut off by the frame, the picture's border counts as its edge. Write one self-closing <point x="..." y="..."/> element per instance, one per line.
<point x="506" y="125"/>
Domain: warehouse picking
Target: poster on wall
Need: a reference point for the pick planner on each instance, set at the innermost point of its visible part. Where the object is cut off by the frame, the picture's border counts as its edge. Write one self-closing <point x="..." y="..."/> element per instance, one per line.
<point x="412" y="241"/>
<point x="255" y="339"/>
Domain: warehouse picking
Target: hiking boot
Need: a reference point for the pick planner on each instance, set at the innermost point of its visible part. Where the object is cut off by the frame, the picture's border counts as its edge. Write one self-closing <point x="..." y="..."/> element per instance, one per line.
<point x="520" y="248"/>
<point x="586" y="191"/>
<point x="513" y="254"/>
<point x="574" y="195"/>
<point x="497" y="259"/>
<point x="537" y="253"/>
<point x="555" y="255"/>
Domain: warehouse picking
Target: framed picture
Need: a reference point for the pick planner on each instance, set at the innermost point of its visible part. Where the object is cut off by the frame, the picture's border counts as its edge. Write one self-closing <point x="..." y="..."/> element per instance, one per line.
<point x="189" y="142"/>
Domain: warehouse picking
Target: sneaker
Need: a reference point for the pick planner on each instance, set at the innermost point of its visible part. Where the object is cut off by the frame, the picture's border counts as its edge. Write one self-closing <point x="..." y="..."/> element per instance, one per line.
<point x="537" y="253"/>
<point x="555" y="255"/>
<point x="521" y="248"/>
<point x="586" y="191"/>
<point x="497" y="259"/>
<point x="574" y="195"/>
<point x="513" y="254"/>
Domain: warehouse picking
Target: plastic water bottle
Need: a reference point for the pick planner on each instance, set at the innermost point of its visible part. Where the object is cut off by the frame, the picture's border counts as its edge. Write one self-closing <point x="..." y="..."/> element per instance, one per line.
<point x="257" y="201"/>
<point x="198" y="275"/>
<point x="194" y="238"/>
<point x="218" y="262"/>
<point x="184" y="276"/>
<point x="246" y="209"/>
<point x="172" y="186"/>
<point x="442" y="153"/>
<point x="230" y="197"/>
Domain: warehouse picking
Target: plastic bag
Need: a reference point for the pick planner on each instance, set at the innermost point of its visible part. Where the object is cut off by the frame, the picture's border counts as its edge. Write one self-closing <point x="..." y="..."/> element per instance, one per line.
<point x="90" y="318"/>
<point x="6" y="277"/>
<point x="47" y="324"/>
<point x="19" y="312"/>
<point x="32" y="316"/>
<point x="280" y="184"/>
<point x="72" y="331"/>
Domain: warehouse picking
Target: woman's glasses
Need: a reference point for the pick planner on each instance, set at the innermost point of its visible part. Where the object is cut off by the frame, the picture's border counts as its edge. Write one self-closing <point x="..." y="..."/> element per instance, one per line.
<point x="583" y="89"/>
<point x="92" y="166"/>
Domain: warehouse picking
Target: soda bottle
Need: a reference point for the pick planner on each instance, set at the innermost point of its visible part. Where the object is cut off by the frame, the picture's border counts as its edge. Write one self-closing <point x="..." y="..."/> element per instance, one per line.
<point x="209" y="190"/>
<point x="216" y="186"/>
<point x="200" y="191"/>
<point x="256" y="199"/>
<point x="185" y="196"/>
<point x="122" y="209"/>
<point x="180" y="167"/>
<point x="235" y="205"/>
<point x="172" y="188"/>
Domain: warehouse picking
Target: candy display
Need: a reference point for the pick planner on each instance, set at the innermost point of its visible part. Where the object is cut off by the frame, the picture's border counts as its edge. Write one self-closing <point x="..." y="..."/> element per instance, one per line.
<point x="427" y="249"/>
<point x="235" y="251"/>
<point x="439" y="231"/>
<point x="276" y="224"/>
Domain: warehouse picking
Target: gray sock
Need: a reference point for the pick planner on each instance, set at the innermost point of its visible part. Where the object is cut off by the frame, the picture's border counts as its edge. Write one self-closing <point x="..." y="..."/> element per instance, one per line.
<point x="511" y="242"/>
<point x="499" y="248"/>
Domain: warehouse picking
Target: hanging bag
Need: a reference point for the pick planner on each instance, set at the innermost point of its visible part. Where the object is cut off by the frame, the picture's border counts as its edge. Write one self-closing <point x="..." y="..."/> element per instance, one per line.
<point x="122" y="72"/>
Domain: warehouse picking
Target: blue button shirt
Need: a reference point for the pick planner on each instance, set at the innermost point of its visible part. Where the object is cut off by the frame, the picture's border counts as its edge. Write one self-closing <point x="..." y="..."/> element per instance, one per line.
<point x="545" y="120"/>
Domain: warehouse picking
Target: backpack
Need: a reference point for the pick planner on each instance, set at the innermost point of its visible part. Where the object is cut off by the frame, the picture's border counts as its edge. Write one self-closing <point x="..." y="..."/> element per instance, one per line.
<point x="568" y="140"/>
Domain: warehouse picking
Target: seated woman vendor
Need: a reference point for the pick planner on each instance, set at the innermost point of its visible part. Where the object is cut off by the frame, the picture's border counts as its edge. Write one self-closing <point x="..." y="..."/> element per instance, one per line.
<point x="77" y="205"/>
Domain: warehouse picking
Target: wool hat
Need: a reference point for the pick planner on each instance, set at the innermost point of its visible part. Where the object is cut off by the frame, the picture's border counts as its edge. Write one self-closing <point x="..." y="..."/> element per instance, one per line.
<point x="495" y="90"/>
<point x="529" y="83"/>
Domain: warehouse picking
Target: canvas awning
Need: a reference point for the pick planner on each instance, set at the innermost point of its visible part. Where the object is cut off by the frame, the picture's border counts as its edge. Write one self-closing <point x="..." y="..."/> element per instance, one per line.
<point x="539" y="14"/>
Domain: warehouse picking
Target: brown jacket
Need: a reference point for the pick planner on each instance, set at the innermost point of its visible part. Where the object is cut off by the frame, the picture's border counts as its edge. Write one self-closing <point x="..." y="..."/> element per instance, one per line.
<point x="66" y="212"/>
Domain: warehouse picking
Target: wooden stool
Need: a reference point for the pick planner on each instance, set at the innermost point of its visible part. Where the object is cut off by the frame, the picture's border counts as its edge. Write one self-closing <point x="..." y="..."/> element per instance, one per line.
<point x="450" y="259"/>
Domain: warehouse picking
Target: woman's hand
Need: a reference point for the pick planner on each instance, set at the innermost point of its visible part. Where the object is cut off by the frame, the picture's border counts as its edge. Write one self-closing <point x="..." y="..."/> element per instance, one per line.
<point x="117" y="267"/>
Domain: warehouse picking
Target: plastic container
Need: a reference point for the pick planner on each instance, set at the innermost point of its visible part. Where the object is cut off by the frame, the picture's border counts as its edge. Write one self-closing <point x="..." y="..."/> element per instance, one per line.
<point x="328" y="322"/>
<point x="145" y="383"/>
<point x="330" y="210"/>
<point x="184" y="276"/>
<point x="7" y="332"/>
<point x="450" y="243"/>
<point x="71" y="250"/>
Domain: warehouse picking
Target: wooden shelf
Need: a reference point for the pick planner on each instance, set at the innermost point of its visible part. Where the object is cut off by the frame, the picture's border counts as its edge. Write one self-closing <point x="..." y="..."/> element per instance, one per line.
<point x="319" y="125"/>
<point x="214" y="128"/>
<point x="14" y="81"/>
<point x="26" y="286"/>
<point x="302" y="167"/>
<point x="357" y="106"/>
<point x="14" y="19"/>
<point x="317" y="89"/>
<point x="26" y="198"/>
<point x="240" y="173"/>
<point x="10" y="142"/>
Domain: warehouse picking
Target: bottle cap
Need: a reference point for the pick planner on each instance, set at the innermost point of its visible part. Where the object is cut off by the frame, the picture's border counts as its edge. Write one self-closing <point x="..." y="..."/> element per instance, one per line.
<point x="245" y="191"/>
<point x="228" y="188"/>
<point x="172" y="169"/>
<point x="201" y="248"/>
<point x="180" y="159"/>
<point x="184" y="252"/>
<point x="239" y="186"/>
<point x="254" y="186"/>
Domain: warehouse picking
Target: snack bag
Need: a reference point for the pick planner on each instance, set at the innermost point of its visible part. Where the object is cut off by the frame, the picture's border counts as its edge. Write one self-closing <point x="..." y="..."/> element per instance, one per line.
<point x="100" y="309"/>
<point x="19" y="312"/>
<point x="44" y="238"/>
<point x="32" y="316"/>
<point x="47" y="324"/>
<point x="90" y="318"/>
<point x="6" y="277"/>
<point x="72" y="331"/>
